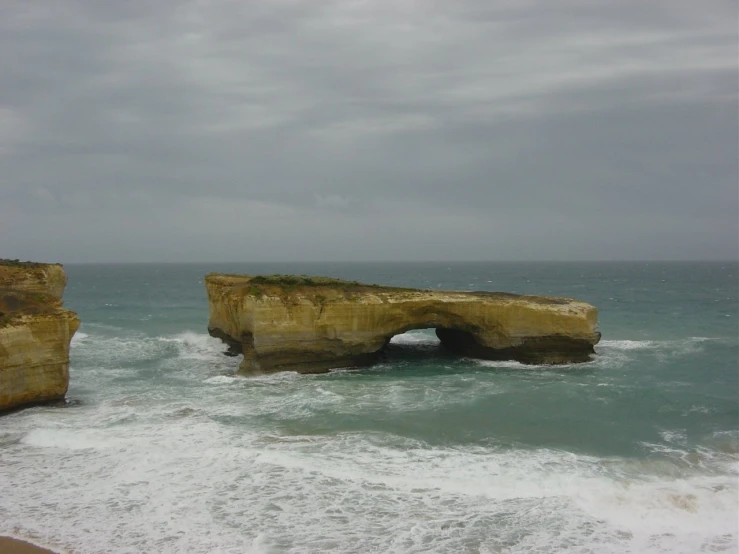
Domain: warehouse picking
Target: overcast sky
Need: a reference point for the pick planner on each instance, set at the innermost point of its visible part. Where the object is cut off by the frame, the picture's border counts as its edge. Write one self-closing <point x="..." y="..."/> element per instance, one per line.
<point x="217" y="130"/>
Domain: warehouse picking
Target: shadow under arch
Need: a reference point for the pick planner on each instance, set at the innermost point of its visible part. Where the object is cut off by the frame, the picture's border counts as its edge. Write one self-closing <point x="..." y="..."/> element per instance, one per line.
<point x="458" y="337"/>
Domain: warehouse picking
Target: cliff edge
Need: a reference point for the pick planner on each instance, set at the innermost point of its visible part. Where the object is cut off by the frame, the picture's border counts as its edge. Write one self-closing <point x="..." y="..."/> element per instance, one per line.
<point x="35" y="332"/>
<point x="313" y="324"/>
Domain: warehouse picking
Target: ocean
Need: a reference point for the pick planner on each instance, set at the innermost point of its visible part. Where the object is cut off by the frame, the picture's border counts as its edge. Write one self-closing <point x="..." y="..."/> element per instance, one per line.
<point x="161" y="448"/>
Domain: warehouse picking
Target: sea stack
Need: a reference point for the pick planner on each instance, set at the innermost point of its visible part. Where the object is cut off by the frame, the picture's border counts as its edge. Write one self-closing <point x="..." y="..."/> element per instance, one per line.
<point x="314" y="324"/>
<point x="35" y="332"/>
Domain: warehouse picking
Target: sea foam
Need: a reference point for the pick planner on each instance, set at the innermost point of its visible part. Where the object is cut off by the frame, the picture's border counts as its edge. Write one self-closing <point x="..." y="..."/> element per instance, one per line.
<point x="195" y="486"/>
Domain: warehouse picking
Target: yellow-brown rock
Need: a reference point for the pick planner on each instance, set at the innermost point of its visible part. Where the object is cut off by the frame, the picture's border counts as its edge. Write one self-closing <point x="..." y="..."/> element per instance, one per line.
<point x="313" y="324"/>
<point x="35" y="332"/>
<point x="46" y="279"/>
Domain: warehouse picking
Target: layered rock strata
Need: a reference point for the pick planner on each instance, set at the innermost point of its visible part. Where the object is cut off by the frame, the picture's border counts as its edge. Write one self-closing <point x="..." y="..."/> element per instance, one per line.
<point x="313" y="324"/>
<point x="35" y="333"/>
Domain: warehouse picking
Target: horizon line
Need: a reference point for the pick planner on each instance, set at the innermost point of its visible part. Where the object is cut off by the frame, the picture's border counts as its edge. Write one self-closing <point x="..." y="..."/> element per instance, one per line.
<point x="468" y="261"/>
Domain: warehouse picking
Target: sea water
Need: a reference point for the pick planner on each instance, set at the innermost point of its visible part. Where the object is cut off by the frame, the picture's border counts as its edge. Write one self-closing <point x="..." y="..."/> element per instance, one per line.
<point x="162" y="448"/>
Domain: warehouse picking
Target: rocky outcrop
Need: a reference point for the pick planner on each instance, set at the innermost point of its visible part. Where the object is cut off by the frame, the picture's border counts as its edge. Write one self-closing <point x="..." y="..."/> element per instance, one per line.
<point x="35" y="332"/>
<point x="310" y="324"/>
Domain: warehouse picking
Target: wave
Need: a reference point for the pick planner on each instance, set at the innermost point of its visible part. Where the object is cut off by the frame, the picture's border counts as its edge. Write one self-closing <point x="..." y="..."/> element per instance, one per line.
<point x="198" y="346"/>
<point x="680" y="346"/>
<point x="507" y="364"/>
<point x="127" y="348"/>
<point x="221" y="380"/>
<point x="626" y="344"/>
<point x="78" y="337"/>
<point x="617" y="353"/>
<point x="71" y="439"/>
<point x="195" y="486"/>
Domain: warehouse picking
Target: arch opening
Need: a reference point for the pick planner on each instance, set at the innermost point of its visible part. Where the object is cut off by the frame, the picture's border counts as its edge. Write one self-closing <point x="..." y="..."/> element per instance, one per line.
<point x="414" y="342"/>
<point x="429" y="341"/>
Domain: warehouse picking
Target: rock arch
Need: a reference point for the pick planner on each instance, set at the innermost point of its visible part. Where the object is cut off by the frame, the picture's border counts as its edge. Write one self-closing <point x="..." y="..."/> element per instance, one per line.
<point x="311" y="324"/>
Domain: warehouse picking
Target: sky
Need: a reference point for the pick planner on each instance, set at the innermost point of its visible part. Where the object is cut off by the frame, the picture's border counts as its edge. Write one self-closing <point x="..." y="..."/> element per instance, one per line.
<point x="350" y="130"/>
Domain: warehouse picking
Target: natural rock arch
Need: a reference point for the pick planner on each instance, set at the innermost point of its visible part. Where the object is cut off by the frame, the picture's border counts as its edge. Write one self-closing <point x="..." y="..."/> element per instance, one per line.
<point x="312" y="324"/>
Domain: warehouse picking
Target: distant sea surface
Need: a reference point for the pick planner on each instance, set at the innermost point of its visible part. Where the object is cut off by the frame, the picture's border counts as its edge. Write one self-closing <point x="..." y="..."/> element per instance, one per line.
<point x="164" y="449"/>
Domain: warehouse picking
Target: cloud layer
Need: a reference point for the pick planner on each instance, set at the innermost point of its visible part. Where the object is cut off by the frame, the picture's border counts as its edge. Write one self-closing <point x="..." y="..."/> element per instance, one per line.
<point x="368" y="129"/>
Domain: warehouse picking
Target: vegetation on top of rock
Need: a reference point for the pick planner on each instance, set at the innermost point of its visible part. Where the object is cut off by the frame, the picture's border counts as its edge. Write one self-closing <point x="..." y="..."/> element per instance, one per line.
<point x="290" y="287"/>
<point x="305" y="281"/>
<point x="17" y="263"/>
<point x="293" y="282"/>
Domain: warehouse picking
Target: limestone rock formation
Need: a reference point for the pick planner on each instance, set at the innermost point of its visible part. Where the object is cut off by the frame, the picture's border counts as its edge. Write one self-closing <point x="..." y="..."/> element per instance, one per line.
<point x="35" y="332"/>
<point x="313" y="324"/>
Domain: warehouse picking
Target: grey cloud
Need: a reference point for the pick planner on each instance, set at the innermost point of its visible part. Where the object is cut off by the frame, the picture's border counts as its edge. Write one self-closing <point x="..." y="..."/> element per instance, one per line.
<point x="342" y="130"/>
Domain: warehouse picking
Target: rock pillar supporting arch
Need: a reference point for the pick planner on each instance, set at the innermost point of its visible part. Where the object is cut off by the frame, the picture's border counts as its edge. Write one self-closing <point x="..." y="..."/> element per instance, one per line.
<point x="549" y="349"/>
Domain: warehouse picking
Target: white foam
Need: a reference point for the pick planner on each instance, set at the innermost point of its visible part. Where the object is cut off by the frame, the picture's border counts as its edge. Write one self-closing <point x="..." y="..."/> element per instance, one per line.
<point x="415" y="338"/>
<point x="507" y="364"/>
<point x="68" y="439"/>
<point x="191" y="485"/>
<point x="222" y="380"/>
<point x="677" y="347"/>
<point x="675" y="436"/>
<point x="115" y="351"/>
<point x="698" y="409"/>
<point x="79" y="337"/>
<point x="617" y="353"/>
<point x="626" y="344"/>
<point x="122" y="351"/>
<point x="677" y="515"/>
<point x="199" y="346"/>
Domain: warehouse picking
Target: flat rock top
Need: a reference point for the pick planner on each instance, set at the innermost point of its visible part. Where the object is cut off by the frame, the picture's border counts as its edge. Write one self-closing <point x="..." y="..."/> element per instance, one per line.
<point x="17" y="273"/>
<point x="311" y="287"/>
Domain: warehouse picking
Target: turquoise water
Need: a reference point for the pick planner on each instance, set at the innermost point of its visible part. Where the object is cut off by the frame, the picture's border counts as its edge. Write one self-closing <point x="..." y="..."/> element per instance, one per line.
<point x="164" y="449"/>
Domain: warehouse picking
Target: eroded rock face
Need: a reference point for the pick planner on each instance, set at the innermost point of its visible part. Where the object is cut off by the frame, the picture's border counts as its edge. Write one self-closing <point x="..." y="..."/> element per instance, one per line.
<point x="311" y="325"/>
<point x="35" y="332"/>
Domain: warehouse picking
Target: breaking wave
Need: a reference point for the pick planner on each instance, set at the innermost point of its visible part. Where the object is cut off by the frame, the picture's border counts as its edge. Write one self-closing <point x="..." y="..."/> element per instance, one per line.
<point x="194" y="486"/>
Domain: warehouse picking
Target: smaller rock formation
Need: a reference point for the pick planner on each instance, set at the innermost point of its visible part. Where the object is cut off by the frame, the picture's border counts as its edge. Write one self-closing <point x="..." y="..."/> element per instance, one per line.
<point x="313" y="324"/>
<point x="35" y="332"/>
